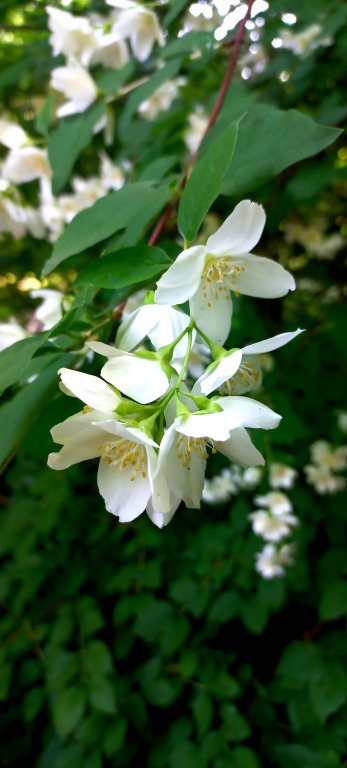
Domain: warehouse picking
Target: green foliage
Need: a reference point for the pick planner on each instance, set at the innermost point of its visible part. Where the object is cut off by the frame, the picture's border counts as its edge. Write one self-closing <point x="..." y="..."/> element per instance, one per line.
<point x="125" y="267"/>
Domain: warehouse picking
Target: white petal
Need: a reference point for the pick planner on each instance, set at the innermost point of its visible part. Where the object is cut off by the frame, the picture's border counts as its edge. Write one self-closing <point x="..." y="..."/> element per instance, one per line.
<point x="239" y="448"/>
<point x="102" y="349"/>
<point x="125" y="498"/>
<point x="212" y="316"/>
<point x="137" y="326"/>
<point x="263" y="278"/>
<point x="90" y="389"/>
<point x="141" y="44"/>
<point x="170" y="325"/>
<point x="216" y="426"/>
<point x="215" y="375"/>
<point x="240" y="232"/>
<point x="268" y="345"/>
<point x="185" y="482"/>
<point x="139" y="378"/>
<point x="159" y="518"/>
<point x="249" y="412"/>
<point x="75" y="452"/>
<point x="76" y="426"/>
<point x="182" y="279"/>
<point x="128" y="433"/>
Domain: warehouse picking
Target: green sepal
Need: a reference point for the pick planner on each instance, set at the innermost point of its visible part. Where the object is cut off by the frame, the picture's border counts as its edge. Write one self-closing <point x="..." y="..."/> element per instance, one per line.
<point x="149" y="298"/>
<point x="181" y="409"/>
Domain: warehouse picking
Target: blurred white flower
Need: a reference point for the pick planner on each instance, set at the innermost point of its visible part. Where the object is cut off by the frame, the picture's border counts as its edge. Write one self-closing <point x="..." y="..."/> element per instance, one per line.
<point x="161" y="99"/>
<point x="323" y="480"/>
<point x="77" y="85"/>
<point x="12" y="135"/>
<point x="50" y="311"/>
<point x="138" y="24"/>
<point x="342" y="421"/>
<point x="11" y="332"/>
<point x="277" y="502"/>
<point x="302" y="43"/>
<point x="281" y="475"/>
<point x="220" y="488"/>
<point x="71" y="35"/>
<point x="271" y="527"/>
<point x="323" y="454"/>
<point x="112" y="176"/>
<point x="271" y="561"/>
<point x="110" y="51"/>
<point x="198" y="122"/>
<point x="26" y="164"/>
<point x="251" y="477"/>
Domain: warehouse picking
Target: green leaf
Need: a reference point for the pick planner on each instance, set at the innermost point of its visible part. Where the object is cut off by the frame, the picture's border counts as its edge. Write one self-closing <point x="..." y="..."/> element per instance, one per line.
<point x="236" y="727"/>
<point x="294" y="755"/>
<point x="203" y="712"/>
<point x="192" y="41"/>
<point x="17" y="415"/>
<point x="45" y="115"/>
<point x="268" y="143"/>
<point x="328" y="688"/>
<point x="177" y="7"/>
<point x="334" y="601"/>
<point x="243" y="757"/>
<point x="68" y="707"/>
<point x="224" y="607"/>
<point x="204" y="184"/>
<point x="109" y="80"/>
<point x="67" y="141"/>
<point x="102" y="695"/>
<point x="125" y="267"/>
<point x="107" y="216"/>
<point x="115" y="737"/>
<point x="142" y="92"/>
<point x="98" y="659"/>
<point x="15" y="358"/>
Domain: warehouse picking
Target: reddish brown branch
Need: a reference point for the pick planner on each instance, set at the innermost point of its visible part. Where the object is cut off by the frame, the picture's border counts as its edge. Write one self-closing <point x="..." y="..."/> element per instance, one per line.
<point x="235" y="44"/>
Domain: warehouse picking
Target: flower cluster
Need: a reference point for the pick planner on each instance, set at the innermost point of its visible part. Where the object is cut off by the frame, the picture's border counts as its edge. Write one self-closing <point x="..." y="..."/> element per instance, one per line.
<point x="152" y="430"/>
<point x="325" y="462"/>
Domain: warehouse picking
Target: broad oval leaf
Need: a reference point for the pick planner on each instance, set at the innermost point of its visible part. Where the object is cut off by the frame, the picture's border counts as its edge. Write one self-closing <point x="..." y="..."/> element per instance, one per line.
<point x="15" y="358"/>
<point x="204" y="184"/>
<point x="107" y="216"/>
<point x="125" y="267"/>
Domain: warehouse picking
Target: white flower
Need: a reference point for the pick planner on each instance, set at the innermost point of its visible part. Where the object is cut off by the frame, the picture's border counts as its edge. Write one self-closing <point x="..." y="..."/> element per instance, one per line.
<point x="50" y="311"/>
<point x="272" y="527"/>
<point x="77" y="85"/>
<point x="236" y="370"/>
<point x="323" y="454"/>
<point x="140" y="25"/>
<point x="281" y="476"/>
<point x="11" y="218"/>
<point x="12" y="135"/>
<point x="10" y="333"/>
<point x="112" y="176"/>
<point x="271" y="561"/>
<point x="302" y="43"/>
<point x="218" y="489"/>
<point x="110" y="51"/>
<point x="323" y="480"/>
<point x="140" y="378"/>
<point x="162" y="324"/>
<point x="26" y="164"/>
<point x="342" y="421"/>
<point x="277" y="502"/>
<point x="199" y="356"/>
<point x="193" y="135"/>
<point x="71" y="35"/>
<point x="206" y="274"/>
<point x="251" y="477"/>
<point x="128" y="456"/>
<point x="160" y="100"/>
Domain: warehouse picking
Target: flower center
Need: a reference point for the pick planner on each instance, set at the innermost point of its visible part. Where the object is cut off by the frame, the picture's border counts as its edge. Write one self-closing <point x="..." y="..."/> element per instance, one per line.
<point x="246" y="376"/>
<point x="220" y="275"/>
<point x="126" y="454"/>
<point x="189" y="446"/>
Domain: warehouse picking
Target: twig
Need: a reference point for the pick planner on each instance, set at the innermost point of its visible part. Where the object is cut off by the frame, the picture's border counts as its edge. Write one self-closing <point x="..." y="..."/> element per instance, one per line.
<point x="235" y="45"/>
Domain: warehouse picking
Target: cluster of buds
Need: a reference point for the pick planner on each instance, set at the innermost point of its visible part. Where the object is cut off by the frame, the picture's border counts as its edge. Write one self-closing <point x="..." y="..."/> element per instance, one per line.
<point x="151" y="426"/>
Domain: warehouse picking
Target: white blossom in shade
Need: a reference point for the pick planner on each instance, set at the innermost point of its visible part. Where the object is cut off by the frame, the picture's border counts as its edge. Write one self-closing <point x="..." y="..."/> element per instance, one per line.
<point x="198" y="358"/>
<point x="11" y="218"/>
<point x="272" y="527"/>
<point x="251" y="477"/>
<point x="11" y="332"/>
<point x="50" y="310"/>
<point x="198" y="122"/>
<point x="272" y="561"/>
<point x="12" y="135"/>
<point x="161" y="324"/>
<point x="323" y="480"/>
<point x="161" y="99"/>
<point x="342" y="421"/>
<point x="138" y="24"/>
<point x="324" y="455"/>
<point x="110" y="51"/>
<point x="140" y="378"/>
<point x="302" y="43"/>
<point x="220" y="488"/>
<point x="277" y="502"/>
<point x="77" y="85"/>
<point x="26" y="164"/>
<point x="112" y="176"/>
<point x="71" y="35"/>
<point x="206" y="274"/>
<point x="281" y="475"/>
